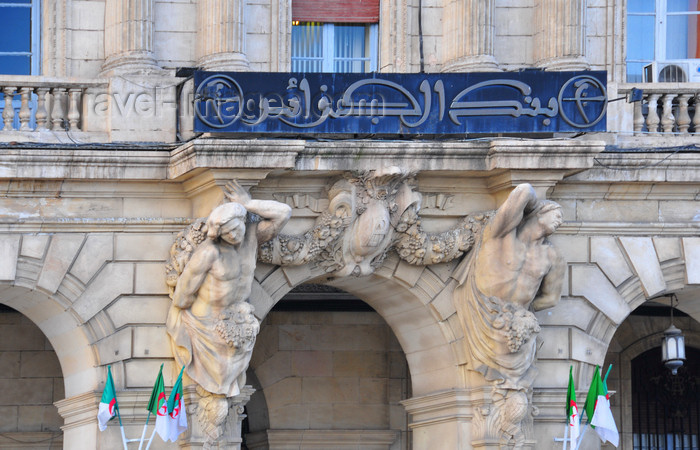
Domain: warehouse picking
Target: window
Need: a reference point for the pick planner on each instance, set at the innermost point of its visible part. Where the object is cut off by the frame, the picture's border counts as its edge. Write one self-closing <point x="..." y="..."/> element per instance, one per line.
<point x="20" y="42"/>
<point x="334" y="36"/>
<point x="665" y="407"/>
<point x="334" y="47"/>
<point x="660" y="30"/>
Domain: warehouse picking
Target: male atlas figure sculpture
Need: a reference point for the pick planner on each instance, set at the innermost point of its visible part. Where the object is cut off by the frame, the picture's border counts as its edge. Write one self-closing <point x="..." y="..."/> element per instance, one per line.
<point x="211" y="323"/>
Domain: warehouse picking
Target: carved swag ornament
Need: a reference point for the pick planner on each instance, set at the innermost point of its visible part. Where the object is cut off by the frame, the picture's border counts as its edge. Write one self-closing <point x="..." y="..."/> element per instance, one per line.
<point x="510" y="266"/>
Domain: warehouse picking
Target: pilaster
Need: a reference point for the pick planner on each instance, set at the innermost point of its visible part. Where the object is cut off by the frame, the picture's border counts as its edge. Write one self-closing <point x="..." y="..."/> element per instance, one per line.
<point x="221" y="35"/>
<point x="560" y="40"/>
<point x="468" y="35"/>
<point x="395" y="36"/>
<point x="441" y="420"/>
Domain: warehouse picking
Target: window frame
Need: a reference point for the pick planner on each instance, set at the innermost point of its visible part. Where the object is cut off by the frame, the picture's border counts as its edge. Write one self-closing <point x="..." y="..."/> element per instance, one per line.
<point x="660" y="15"/>
<point x="34" y="52"/>
<point x="328" y="58"/>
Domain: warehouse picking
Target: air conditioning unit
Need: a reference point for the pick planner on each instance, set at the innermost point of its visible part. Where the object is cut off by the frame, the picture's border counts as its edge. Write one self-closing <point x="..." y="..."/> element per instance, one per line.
<point x="676" y="71"/>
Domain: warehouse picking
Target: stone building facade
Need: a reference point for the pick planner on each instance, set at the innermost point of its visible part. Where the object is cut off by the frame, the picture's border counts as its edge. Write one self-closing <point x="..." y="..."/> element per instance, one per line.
<point x="100" y="169"/>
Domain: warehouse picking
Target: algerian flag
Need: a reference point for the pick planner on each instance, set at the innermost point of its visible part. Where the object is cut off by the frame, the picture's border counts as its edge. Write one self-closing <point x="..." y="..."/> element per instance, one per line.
<point x="108" y="405"/>
<point x="598" y="411"/>
<point x="177" y="415"/>
<point x="603" y="419"/>
<point x="158" y="405"/>
<point x="572" y="409"/>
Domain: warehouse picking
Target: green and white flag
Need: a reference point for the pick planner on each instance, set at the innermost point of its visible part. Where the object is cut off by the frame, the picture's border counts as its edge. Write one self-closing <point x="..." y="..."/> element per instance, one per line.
<point x="108" y="405"/>
<point x="158" y="405"/>
<point x="177" y="415"/>
<point x="598" y="411"/>
<point x="574" y="419"/>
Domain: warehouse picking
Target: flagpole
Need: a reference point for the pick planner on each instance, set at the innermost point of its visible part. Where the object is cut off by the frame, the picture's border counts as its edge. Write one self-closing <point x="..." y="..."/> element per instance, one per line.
<point x="580" y="438"/>
<point x="121" y="427"/>
<point x="566" y="436"/>
<point x="143" y="433"/>
<point x="151" y="439"/>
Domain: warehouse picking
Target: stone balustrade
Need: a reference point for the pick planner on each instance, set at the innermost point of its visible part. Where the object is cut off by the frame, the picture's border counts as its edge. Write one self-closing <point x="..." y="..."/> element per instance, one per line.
<point x="666" y="108"/>
<point x="32" y="105"/>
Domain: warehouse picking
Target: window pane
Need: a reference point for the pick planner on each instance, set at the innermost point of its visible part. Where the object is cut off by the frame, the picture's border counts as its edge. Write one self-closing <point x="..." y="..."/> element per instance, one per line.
<point x="682" y="37"/>
<point x="682" y="5"/>
<point x="26" y="2"/>
<point x="640" y="6"/>
<point x="634" y="72"/>
<point x="15" y="65"/>
<point x="349" y="47"/>
<point x="16" y="37"/>
<point x="307" y="47"/>
<point x="640" y="37"/>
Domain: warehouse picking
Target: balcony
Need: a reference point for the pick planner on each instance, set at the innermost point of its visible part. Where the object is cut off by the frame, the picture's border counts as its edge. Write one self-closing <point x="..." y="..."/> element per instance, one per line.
<point x="159" y="110"/>
<point x="666" y="109"/>
<point x="83" y="111"/>
<point x="51" y="110"/>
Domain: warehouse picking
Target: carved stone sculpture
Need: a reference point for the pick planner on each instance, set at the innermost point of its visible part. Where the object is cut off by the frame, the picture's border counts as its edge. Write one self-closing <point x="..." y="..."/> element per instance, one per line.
<point x="210" y="272"/>
<point x="511" y="268"/>
<point x="368" y="215"/>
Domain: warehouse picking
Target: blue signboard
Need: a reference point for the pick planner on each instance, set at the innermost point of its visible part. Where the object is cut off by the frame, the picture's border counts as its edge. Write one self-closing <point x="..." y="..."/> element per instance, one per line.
<point x="528" y="101"/>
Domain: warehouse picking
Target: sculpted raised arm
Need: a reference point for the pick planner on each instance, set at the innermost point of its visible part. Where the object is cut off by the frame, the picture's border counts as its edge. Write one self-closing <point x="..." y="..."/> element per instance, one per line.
<point x="193" y="275"/>
<point x="519" y="202"/>
<point x="274" y="214"/>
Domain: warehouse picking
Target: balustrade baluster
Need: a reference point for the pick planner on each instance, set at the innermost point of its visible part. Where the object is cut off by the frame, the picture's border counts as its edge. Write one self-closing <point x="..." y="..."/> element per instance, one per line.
<point x="73" y="111"/>
<point x="652" y="115"/>
<point x="696" y="116"/>
<point x="667" y="119"/>
<point x="25" y="114"/>
<point x="8" y="113"/>
<point x="637" y="118"/>
<point x="57" y="108"/>
<point x="41" y="114"/>
<point x="683" y="116"/>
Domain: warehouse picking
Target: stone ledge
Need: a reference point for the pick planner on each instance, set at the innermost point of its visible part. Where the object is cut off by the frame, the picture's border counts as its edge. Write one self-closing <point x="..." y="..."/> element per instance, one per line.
<point x="488" y="154"/>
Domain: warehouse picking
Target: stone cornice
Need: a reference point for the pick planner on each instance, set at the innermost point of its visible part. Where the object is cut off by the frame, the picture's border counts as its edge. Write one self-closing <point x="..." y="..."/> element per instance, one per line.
<point x="82" y="225"/>
<point x="99" y="162"/>
<point x="630" y="228"/>
<point x="479" y="155"/>
<point x="233" y="153"/>
<point x="630" y="166"/>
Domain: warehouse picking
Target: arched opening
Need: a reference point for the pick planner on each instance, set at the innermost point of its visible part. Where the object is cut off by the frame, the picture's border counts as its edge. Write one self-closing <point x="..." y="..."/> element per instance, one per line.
<point x="640" y="382"/>
<point x="329" y="371"/>
<point x="30" y="382"/>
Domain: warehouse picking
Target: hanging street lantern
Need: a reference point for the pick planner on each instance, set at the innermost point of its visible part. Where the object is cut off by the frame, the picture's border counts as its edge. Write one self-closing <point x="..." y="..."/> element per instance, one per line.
<point x="673" y="347"/>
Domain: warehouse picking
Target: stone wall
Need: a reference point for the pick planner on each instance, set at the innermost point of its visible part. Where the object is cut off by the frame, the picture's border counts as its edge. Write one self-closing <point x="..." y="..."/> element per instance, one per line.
<point x="268" y="25"/>
<point x="30" y="381"/>
<point x="335" y="372"/>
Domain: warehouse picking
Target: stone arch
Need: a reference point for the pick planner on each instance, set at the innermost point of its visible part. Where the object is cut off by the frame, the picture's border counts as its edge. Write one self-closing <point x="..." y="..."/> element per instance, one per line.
<point x="415" y="301"/>
<point x="618" y="274"/>
<point x="635" y="348"/>
<point x="65" y="333"/>
<point x="50" y="278"/>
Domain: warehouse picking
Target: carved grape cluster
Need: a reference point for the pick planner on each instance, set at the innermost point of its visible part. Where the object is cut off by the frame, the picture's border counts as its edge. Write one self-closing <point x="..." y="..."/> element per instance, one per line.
<point x="238" y="327"/>
<point x="518" y="324"/>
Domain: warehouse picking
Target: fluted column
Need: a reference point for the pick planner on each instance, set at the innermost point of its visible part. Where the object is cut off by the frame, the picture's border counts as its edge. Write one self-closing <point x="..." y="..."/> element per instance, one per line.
<point x="221" y="35"/>
<point x="561" y="35"/>
<point x="129" y="36"/>
<point x="468" y="36"/>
